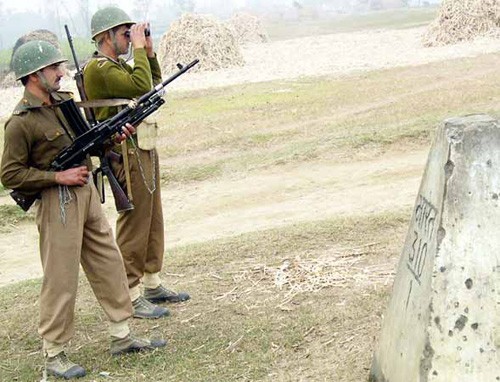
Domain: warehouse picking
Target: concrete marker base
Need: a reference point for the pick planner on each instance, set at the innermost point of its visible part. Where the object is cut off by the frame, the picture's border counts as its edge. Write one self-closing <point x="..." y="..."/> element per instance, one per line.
<point x="443" y="321"/>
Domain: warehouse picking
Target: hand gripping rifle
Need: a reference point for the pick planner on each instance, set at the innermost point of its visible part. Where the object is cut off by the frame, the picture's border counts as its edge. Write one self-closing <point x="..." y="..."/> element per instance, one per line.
<point x="93" y="139"/>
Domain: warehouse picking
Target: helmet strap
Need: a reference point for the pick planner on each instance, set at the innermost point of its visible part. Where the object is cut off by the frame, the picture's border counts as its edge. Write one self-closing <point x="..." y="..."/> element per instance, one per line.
<point x="113" y="41"/>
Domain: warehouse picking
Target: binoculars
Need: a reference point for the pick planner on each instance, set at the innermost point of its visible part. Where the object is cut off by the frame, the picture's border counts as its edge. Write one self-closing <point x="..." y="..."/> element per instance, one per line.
<point x="147" y="33"/>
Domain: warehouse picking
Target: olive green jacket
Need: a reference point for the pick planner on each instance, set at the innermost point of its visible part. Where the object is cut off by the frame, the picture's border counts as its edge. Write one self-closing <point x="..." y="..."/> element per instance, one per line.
<point x="105" y="78"/>
<point x="34" y="135"/>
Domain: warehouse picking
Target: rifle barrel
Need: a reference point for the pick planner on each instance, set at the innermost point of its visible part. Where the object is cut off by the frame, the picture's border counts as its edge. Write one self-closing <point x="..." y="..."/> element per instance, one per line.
<point x="70" y="41"/>
<point x="161" y="85"/>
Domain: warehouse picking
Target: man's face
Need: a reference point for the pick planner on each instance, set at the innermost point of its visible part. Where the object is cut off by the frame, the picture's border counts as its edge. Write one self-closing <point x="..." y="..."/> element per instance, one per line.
<point x="53" y="75"/>
<point x="122" y="39"/>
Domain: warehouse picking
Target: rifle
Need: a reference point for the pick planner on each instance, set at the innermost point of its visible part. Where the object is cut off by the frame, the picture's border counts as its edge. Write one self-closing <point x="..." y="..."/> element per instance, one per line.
<point x="122" y="203"/>
<point x="94" y="138"/>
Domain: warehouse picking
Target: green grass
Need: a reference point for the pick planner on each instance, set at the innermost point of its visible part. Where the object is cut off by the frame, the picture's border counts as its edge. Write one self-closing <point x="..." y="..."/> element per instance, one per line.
<point x="193" y="173"/>
<point x="249" y="127"/>
<point x="388" y="19"/>
<point x="83" y="48"/>
<point x="238" y="325"/>
<point x="5" y="59"/>
<point x="11" y="215"/>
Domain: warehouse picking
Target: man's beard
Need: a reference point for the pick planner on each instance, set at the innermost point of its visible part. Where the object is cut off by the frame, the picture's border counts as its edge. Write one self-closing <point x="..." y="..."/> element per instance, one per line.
<point x="126" y="49"/>
<point x="55" y="86"/>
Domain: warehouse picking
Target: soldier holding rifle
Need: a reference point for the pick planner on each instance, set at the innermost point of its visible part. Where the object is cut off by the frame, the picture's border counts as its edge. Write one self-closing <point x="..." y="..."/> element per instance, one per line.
<point x="72" y="226"/>
<point x="140" y="232"/>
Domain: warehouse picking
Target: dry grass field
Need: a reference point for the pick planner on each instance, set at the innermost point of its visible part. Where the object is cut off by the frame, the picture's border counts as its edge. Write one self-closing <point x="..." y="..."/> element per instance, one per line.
<point x="286" y="205"/>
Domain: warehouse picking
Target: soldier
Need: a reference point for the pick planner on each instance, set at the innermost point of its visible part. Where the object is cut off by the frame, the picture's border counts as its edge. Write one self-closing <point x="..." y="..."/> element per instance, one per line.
<point x="139" y="232"/>
<point x="72" y="226"/>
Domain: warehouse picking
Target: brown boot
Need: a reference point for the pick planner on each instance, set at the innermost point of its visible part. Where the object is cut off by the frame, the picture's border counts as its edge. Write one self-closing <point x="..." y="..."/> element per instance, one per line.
<point x="162" y="294"/>
<point x="61" y="367"/>
<point x="145" y="309"/>
<point x="131" y="344"/>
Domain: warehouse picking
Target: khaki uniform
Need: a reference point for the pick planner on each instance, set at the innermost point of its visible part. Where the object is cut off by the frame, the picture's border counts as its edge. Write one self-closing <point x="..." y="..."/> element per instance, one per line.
<point x="140" y="232"/>
<point x="33" y="137"/>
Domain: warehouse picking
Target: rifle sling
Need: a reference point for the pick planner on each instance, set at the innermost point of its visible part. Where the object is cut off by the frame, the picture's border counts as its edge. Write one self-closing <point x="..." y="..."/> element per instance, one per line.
<point x="111" y="102"/>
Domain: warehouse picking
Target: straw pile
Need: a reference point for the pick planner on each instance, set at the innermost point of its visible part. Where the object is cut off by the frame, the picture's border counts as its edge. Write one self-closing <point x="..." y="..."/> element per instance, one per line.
<point x="463" y="20"/>
<point x="312" y="274"/>
<point x="247" y="28"/>
<point x="199" y="36"/>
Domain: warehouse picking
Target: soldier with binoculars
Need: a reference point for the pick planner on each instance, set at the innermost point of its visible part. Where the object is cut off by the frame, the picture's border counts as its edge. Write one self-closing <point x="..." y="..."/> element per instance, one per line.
<point x="140" y="231"/>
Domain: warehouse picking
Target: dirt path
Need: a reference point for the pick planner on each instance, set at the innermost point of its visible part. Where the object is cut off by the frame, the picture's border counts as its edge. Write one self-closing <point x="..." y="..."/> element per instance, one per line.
<point x="271" y="198"/>
<point x="299" y="193"/>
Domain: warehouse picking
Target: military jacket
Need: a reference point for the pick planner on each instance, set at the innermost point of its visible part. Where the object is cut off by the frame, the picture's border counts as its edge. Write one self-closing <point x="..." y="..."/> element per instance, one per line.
<point x="105" y="78"/>
<point x="34" y="135"/>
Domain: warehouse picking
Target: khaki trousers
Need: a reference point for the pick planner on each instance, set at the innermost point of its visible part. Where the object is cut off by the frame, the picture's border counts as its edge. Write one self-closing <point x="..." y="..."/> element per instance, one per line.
<point x="85" y="238"/>
<point x="140" y="232"/>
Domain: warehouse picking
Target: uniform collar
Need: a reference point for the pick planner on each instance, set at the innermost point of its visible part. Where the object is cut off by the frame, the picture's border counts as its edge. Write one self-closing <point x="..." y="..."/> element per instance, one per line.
<point x="30" y="101"/>
<point x="98" y="54"/>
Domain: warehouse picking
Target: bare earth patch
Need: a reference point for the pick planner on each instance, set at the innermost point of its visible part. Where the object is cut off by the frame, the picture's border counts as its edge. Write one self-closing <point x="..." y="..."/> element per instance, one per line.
<point x="278" y="197"/>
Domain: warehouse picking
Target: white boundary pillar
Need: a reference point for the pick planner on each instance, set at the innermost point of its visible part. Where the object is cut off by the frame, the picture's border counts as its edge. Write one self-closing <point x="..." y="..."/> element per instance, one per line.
<point x="443" y="320"/>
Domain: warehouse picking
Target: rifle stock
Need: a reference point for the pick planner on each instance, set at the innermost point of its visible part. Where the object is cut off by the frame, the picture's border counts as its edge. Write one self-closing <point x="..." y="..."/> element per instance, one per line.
<point x="122" y="203"/>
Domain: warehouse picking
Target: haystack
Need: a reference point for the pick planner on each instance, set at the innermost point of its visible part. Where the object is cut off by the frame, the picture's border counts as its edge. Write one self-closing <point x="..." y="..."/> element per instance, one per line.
<point x="199" y="36"/>
<point x="247" y="28"/>
<point x="9" y="79"/>
<point x="463" y="20"/>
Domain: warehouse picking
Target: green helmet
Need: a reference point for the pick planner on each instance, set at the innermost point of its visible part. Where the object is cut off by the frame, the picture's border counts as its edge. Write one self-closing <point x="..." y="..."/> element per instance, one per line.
<point x="33" y="56"/>
<point x="108" y="18"/>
